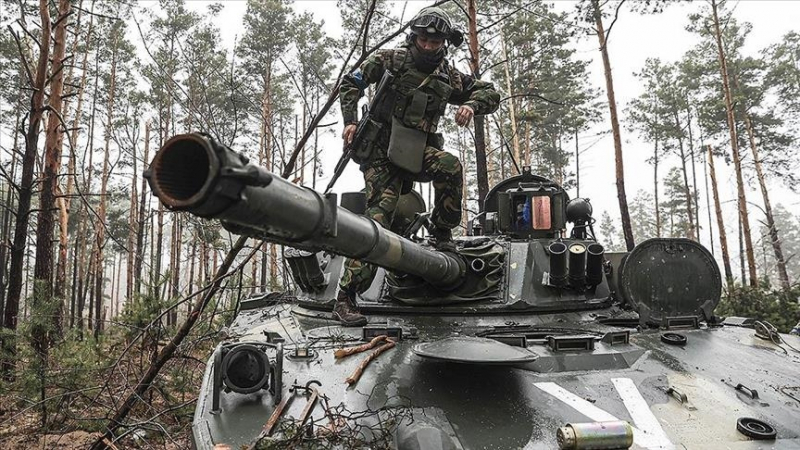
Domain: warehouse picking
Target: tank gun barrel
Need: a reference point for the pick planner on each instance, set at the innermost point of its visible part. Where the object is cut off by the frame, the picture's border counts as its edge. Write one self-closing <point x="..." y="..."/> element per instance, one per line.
<point x="194" y="173"/>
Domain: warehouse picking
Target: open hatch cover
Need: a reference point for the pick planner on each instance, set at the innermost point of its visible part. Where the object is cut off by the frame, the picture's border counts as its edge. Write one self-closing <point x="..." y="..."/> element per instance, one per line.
<point x="670" y="278"/>
<point x="473" y="350"/>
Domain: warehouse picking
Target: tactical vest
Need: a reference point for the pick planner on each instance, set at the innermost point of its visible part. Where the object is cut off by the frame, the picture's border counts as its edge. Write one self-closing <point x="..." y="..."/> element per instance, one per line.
<point x="420" y="98"/>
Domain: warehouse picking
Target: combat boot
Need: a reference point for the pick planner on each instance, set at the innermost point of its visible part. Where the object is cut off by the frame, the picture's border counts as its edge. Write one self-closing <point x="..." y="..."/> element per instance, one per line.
<point x="346" y="311"/>
<point x="442" y="239"/>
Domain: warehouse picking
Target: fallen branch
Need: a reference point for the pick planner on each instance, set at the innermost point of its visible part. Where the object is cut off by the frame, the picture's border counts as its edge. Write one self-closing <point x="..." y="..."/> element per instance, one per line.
<point x="167" y="352"/>
<point x="353" y="379"/>
<point x="345" y="352"/>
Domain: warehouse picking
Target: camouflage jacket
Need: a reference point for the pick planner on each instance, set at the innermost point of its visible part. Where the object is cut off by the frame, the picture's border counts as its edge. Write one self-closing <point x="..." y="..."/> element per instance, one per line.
<point x="445" y="85"/>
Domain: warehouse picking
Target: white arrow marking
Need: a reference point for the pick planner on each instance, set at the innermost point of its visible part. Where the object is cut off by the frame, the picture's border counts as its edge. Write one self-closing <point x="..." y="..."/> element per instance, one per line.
<point x="651" y="434"/>
<point x="647" y="433"/>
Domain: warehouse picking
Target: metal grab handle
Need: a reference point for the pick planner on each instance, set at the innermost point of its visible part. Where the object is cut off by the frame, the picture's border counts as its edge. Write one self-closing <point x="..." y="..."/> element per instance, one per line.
<point x="678" y="395"/>
<point x="751" y="392"/>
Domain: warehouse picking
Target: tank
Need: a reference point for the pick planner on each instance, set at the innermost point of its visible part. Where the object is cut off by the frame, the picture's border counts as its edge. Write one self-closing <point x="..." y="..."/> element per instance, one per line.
<point x="528" y="335"/>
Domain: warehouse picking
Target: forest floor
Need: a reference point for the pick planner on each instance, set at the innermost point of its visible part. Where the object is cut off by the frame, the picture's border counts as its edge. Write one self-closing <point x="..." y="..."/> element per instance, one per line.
<point x="87" y="383"/>
<point x="23" y="432"/>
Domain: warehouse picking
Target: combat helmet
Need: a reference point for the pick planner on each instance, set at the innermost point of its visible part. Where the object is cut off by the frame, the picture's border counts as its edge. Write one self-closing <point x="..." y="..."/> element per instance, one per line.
<point x="433" y="22"/>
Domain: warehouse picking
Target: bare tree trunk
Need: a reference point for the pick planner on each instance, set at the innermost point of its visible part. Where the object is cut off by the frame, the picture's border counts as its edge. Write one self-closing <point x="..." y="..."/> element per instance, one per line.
<point x="65" y="201"/>
<point x="43" y="268"/>
<point x="175" y="270"/>
<point x="85" y="269"/>
<point x="748" y="242"/>
<point x="6" y="221"/>
<point x="25" y="194"/>
<point x="577" y="166"/>
<point x="773" y="230"/>
<point x="708" y="206"/>
<point x="723" y="238"/>
<point x="203" y="265"/>
<point x="627" y="230"/>
<point x="742" y="265"/>
<point x="316" y="151"/>
<point x="655" y="190"/>
<point x="511" y="101"/>
<point x="118" y="302"/>
<point x="141" y="216"/>
<point x="264" y="269"/>
<point x="481" y="167"/>
<point x="101" y="210"/>
<point x="113" y="296"/>
<point x="156" y="253"/>
<point x="73" y="296"/>
<point x="190" y="283"/>
<point x="273" y="265"/>
<point x="133" y="227"/>
<point x="687" y="191"/>
<point x="490" y="163"/>
<point x="82" y="275"/>
<point x="527" y="143"/>
<point x="694" y="170"/>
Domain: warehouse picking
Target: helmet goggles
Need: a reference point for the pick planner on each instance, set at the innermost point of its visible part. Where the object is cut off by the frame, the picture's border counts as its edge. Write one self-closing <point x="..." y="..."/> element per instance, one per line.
<point x="431" y="25"/>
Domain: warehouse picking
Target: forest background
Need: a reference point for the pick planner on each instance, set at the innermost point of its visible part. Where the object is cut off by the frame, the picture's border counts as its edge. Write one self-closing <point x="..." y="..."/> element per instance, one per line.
<point x="99" y="282"/>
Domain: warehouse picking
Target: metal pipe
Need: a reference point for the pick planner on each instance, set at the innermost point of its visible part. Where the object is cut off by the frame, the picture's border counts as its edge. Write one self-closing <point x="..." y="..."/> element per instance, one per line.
<point x="558" y="263"/>
<point x="594" y="264"/>
<point x="577" y="265"/>
<point x="193" y="173"/>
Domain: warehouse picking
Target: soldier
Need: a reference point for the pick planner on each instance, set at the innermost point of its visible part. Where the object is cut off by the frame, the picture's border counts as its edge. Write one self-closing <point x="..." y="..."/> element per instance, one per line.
<point x="405" y="146"/>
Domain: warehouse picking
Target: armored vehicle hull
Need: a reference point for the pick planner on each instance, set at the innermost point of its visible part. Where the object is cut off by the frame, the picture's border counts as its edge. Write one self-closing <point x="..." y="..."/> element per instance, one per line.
<point x="675" y="396"/>
<point x="524" y="336"/>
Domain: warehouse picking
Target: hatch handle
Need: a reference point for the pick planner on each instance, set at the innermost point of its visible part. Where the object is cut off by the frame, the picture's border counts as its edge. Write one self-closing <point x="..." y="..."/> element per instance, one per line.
<point x="751" y="392"/>
<point x="678" y="395"/>
<point x="681" y="397"/>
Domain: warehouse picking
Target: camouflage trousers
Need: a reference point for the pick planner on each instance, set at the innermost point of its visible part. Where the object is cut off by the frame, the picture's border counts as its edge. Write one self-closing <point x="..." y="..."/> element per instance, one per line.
<point x="384" y="183"/>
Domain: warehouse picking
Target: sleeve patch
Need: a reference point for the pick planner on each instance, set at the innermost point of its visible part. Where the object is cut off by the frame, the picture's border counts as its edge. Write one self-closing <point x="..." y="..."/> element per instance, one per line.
<point x="358" y="79"/>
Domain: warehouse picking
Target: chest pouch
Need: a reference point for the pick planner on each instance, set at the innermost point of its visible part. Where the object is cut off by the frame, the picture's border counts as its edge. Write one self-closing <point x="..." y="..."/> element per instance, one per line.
<point x="438" y="103"/>
<point x="407" y="147"/>
<point x="417" y="103"/>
